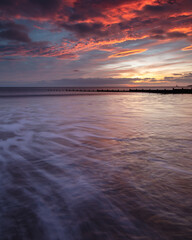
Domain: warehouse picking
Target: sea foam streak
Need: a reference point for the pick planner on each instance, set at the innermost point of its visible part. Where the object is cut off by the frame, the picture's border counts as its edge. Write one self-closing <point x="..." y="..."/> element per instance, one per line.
<point x="96" y="167"/>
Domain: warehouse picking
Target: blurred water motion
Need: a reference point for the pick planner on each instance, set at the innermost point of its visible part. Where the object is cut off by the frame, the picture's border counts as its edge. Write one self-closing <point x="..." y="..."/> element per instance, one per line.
<point x="113" y="167"/>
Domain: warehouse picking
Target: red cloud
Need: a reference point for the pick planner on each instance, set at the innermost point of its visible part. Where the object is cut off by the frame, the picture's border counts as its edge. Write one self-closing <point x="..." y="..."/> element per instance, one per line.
<point x="189" y="48"/>
<point x="125" y="53"/>
<point x="94" y="24"/>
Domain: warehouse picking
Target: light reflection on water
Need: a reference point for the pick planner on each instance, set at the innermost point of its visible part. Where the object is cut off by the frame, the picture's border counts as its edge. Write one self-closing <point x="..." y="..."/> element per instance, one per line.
<point x="114" y="167"/>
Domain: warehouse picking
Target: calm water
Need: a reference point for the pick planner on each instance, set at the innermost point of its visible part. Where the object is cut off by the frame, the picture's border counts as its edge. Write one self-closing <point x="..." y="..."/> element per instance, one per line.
<point x="110" y="167"/>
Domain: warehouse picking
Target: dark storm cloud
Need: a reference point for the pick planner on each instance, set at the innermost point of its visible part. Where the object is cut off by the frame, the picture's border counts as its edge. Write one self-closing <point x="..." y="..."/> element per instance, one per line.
<point x="176" y="35"/>
<point x="85" y="29"/>
<point x="46" y="3"/>
<point x="84" y="9"/>
<point x="29" y="8"/>
<point x="157" y="34"/>
<point x="12" y="25"/>
<point x="163" y="9"/>
<point x="157" y="31"/>
<point x="35" y="49"/>
<point x="15" y="32"/>
<point x="170" y="35"/>
<point x="158" y="37"/>
<point x="6" y="2"/>
<point x="69" y="15"/>
<point x="156" y="9"/>
<point x="45" y="6"/>
<point x="28" y="49"/>
<point x="15" y="35"/>
<point x="137" y="22"/>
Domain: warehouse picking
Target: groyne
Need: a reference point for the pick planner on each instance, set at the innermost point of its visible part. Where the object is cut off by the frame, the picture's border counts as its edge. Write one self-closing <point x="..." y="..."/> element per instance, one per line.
<point x="65" y="91"/>
<point x="162" y="91"/>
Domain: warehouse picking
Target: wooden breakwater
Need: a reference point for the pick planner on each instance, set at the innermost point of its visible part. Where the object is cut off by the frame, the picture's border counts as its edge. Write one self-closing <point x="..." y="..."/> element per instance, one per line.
<point x="162" y="91"/>
<point x="63" y="91"/>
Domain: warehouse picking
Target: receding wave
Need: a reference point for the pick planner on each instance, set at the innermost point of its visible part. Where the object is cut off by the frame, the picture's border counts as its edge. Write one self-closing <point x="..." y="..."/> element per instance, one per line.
<point x="96" y="167"/>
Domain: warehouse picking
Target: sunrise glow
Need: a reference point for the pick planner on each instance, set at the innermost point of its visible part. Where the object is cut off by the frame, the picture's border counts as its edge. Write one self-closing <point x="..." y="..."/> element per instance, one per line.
<point x="142" y="41"/>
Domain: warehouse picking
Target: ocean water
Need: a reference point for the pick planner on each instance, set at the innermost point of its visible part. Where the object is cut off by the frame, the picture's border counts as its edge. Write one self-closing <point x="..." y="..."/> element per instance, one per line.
<point x="100" y="167"/>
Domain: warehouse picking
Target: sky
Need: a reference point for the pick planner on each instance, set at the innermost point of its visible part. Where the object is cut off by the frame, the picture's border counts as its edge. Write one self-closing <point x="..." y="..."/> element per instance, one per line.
<point x="95" y="42"/>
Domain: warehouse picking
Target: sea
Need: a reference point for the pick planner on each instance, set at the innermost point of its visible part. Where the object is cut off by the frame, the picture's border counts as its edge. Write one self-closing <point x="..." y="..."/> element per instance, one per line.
<point x="96" y="167"/>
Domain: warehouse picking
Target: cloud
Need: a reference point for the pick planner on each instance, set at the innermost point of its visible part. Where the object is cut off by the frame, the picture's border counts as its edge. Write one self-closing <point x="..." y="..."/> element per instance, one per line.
<point x="126" y="53"/>
<point x="176" y="79"/>
<point x="28" y="49"/>
<point x="30" y="8"/>
<point x="68" y="56"/>
<point x="176" y="35"/>
<point x="155" y="9"/>
<point x="85" y="29"/>
<point x="15" y="35"/>
<point x="91" y="82"/>
<point x="184" y="79"/>
<point x="13" y="25"/>
<point x="188" y="48"/>
<point x="85" y="9"/>
<point x="158" y="37"/>
<point x="100" y="30"/>
<point x="170" y="35"/>
<point x="102" y="19"/>
<point x="15" y="32"/>
<point x="46" y="4"/>
<point x="158" y="31"/>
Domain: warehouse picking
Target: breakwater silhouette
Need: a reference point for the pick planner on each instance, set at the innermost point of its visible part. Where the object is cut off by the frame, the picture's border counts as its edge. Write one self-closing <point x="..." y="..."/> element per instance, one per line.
<point x="64" y="91"/>
<point x="163" y="91"/>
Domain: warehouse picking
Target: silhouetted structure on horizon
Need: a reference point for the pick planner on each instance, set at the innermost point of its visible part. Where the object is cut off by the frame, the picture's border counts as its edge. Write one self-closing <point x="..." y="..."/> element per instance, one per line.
<point x="64" y="91"/>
